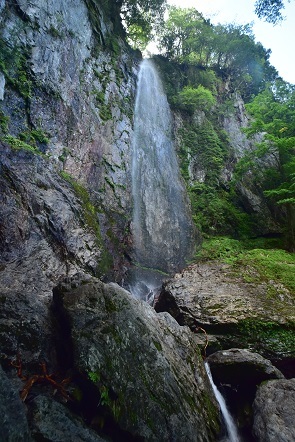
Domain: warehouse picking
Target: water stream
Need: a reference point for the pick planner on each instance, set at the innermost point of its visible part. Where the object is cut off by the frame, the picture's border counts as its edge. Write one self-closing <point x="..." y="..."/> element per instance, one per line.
<point x="232" y="431"/>
<point x="162" y="230"/>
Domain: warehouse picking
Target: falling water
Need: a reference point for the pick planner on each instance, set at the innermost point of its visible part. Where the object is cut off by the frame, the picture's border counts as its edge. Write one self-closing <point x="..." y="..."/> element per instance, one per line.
<point x="162" y="227"/>
<point x="228" y="420"/>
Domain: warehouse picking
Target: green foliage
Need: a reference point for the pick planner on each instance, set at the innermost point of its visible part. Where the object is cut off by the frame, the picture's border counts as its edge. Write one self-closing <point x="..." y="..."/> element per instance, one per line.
<point x="274" y="113"/>
<point x="94" y="376"/>
<point x="191" y="99"/>
<point x="207" y="145"/>
<point x="34" y="137"/>
<point x="277" y="265"/>
<point x="4" y="120"/>
<point x="138" y="36"/>
<point x="140" y="17"/>
<point x="14" y="65"/>
<point x="220" y="248"/>
<point x="269" y="263"/>
<point x="214" y="213"/>
<point x="273" y="337"/>
<point x="270" y="10"/>
<point x="18" y="144"/>
<point x="104" y="108"/>
<point x="231" y="50"/>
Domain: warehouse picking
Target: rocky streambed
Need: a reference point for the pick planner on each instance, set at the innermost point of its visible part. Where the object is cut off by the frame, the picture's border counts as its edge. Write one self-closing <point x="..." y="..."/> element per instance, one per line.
<point x="114" y="369"/>
<point x="246" y="328"/>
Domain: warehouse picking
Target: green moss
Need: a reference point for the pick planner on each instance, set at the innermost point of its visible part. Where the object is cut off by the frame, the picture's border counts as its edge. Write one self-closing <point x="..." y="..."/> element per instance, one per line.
<point x="220" y="248"/>
<point x="4" y="120"/>
<point x="64" y="155"/>
<point x="94" y="376"/>
<point x="14" y="65"/>
<point x="158" y="345"/>
<point x="273" y="337"/>
<point x="34" y="136"/>
<point x="255" y="265"/>
<point x="89" y="208"/>
<point x="277" y="265"/>
<point x="90" y="217"/>
<point x="110" y="183"/>
<point x="18" y="144"/>
<point x="54" y="32"/>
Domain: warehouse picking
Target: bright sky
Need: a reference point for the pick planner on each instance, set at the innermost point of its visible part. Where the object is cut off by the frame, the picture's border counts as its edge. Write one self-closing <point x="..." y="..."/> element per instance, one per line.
<point x="280" y="38"/>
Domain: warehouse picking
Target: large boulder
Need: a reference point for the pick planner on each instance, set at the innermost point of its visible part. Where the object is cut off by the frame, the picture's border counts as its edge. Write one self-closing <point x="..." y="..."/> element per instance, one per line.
<point x="13" y="419"/>
<point x="274" y="411"/>
<point x="240" y="366"/>
<point x="237" y="313"/>
<point x="147" y="370"/>
<point x="52" y="421"/>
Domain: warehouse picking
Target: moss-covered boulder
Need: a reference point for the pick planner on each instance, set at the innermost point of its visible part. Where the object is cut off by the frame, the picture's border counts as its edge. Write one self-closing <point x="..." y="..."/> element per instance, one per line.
<point x="235" y="305"/>
<point x="146" y="369"/>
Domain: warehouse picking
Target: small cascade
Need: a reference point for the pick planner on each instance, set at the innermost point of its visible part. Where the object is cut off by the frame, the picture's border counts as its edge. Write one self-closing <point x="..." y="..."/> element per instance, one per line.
<point x="232" y="431"/>
<point x="162" y="228"/>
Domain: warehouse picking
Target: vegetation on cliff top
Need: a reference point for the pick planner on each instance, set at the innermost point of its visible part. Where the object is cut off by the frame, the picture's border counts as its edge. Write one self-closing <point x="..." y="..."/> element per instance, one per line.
<point x="264" y="256"/>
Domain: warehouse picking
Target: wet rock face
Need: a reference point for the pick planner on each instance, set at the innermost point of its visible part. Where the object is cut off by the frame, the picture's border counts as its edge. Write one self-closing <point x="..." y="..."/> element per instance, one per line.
<point x="274" y="411"/>
<point x="71" y="87"/>
<point x="146" y="364"/>
<point x="42" y="238"/>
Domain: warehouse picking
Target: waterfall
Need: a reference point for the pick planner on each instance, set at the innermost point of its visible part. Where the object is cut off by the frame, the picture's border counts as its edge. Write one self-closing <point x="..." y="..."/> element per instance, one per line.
<point x="163" y="235"/>
<point x="228" y="420"/>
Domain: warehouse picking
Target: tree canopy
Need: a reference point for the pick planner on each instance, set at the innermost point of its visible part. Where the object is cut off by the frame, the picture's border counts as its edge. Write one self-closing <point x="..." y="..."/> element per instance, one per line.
<point x="231" y="50"/>
<point x="270" y="10"/>
<point x="140" y="17"/>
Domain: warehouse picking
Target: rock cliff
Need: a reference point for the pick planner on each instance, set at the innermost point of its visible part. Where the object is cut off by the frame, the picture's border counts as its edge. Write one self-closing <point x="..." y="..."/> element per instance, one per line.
<point x="89" y="361"/>
<point x="67" y="88"/>
<point x="87" y="358"/>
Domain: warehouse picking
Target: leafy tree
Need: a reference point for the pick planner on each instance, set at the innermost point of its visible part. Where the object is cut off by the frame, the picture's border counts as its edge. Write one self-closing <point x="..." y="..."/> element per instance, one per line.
<point x="270" y="10"/>
<point x="274" y="113"/>
<point x="184" y="35"/>
<point x="230" y="50"/>
<point x="140" y="17"/>
<point x="191" y="99"/>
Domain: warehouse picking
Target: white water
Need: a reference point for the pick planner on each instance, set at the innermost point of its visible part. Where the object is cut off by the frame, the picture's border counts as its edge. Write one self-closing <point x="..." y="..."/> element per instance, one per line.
<point x="228" y="420"/>
<point x="162" y="226"/>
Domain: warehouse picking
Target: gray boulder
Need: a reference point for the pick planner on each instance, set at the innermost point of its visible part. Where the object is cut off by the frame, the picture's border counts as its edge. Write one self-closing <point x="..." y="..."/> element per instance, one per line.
<point x="13" y="421"/>
<point x="274" y="411"/>
<point x="237" y="366"/>
<point x="146" y="367"/>
<point x="233" y="311"/>
<point x="43" y="237"/>
<point x="52" y="421"/>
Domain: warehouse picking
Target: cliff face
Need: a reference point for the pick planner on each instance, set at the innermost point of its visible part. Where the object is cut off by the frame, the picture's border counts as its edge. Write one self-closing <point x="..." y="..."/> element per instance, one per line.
<point x="67" y="86"/>
<point x="212" y="146"/>
<point x="67" y="92"/>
